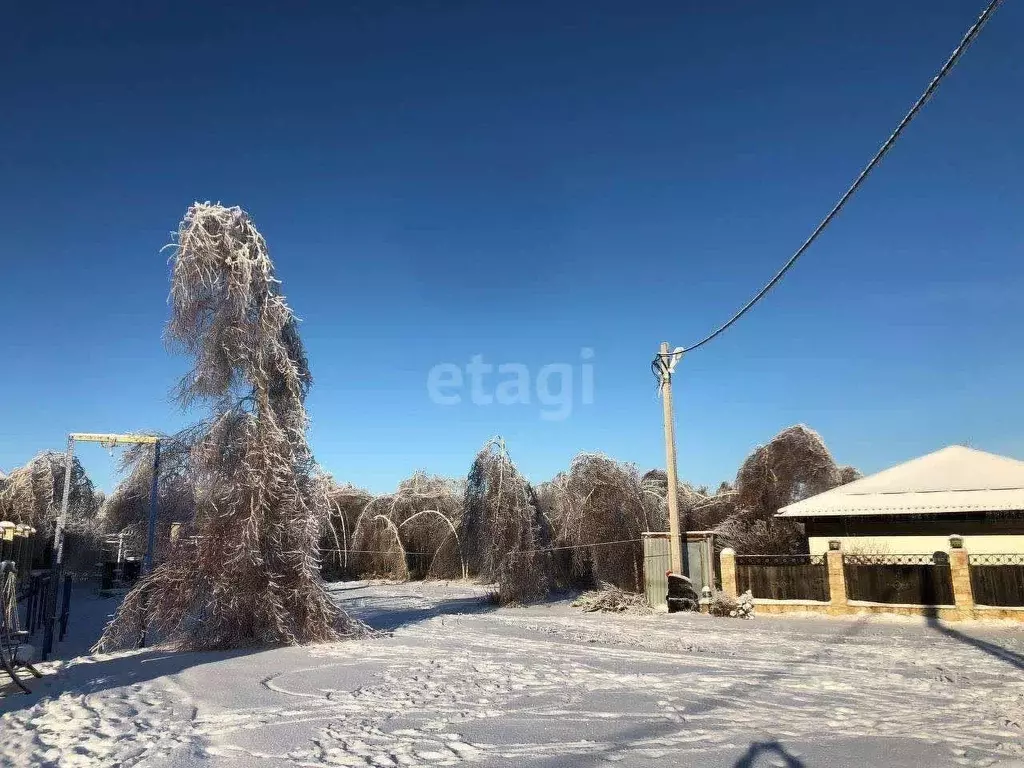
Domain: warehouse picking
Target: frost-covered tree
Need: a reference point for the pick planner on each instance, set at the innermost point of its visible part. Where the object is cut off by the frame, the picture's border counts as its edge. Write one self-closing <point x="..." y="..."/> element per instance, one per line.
<point x="247" y="572"/>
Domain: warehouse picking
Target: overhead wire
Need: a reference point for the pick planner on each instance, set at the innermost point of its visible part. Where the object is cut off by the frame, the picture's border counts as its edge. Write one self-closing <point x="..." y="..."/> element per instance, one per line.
<point x="968" y="38"/>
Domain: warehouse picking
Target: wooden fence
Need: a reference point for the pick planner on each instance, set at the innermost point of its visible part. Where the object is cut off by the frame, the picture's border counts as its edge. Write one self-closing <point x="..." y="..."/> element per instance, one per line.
<point x="913" y="579"/>
<point x="997" y="579"/>
<point x="950" y="585"/>
<point x="783" y="577"/>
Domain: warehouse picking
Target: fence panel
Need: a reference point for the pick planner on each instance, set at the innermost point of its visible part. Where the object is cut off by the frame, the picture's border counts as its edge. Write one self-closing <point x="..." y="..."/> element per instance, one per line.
<point x="997" y="579"/>
<point x="911" y="579"/>
<point x="783" y="577"/>
<point x="658" y="560"/>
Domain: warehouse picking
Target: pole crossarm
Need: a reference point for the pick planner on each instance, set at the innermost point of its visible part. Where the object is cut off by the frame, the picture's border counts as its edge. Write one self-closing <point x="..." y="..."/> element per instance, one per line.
<point x="99" y="437"/>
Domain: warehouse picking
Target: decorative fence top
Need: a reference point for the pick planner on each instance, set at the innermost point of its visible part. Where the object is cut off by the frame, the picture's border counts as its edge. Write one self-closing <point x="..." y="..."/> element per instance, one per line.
<point x="996" y="580"/>
<point x="1002" y="559"/>
<point x="780" y="559"/>
<point x="928" y="559"/>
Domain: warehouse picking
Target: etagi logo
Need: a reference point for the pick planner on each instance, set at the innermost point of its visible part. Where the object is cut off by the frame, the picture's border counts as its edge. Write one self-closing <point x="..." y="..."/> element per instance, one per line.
<point x="514" y="384"/>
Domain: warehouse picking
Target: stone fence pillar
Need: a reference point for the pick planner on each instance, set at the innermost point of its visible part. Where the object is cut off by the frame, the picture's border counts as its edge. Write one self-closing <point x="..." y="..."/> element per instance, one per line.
<point x="836" y="576"/>
<point x="960" y="573"/>
<point x="728" y="561"/>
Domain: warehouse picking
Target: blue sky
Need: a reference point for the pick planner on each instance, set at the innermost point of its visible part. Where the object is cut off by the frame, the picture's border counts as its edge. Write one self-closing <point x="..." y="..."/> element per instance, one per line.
<point x="521" y="181"/>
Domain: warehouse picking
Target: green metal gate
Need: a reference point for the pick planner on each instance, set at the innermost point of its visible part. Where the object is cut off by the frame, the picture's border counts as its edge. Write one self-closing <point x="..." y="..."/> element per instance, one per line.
<point x="658" y="561"/>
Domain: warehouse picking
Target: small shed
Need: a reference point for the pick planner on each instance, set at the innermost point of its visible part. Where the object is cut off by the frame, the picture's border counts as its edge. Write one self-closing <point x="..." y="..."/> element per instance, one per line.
<point x="699" y="563"/>
<point x="914" y="507"/>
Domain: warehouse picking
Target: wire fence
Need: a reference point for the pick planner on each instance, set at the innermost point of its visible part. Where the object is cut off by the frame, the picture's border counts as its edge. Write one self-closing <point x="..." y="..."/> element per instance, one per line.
<point x="540" y="550"/>
<point x="559" y="548"/>
<point x="512" y="552"/>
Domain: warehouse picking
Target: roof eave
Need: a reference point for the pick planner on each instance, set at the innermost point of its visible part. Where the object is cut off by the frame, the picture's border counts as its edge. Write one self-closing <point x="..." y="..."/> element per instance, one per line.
<point x="921" y="510"/>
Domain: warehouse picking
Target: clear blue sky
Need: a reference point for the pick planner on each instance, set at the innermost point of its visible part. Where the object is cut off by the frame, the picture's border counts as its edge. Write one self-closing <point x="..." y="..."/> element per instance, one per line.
<point x="439" y="180"/>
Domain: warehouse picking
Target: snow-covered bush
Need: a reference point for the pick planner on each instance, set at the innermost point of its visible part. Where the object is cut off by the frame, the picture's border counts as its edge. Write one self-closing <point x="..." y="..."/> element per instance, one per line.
<point x="732" y="607"/>
<point x="608" y="598"/>
<point x="745" y="606"/>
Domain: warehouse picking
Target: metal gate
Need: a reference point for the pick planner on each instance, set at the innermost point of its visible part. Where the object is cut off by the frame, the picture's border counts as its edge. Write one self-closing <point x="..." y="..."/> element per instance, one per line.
<point x="658" y="561"/>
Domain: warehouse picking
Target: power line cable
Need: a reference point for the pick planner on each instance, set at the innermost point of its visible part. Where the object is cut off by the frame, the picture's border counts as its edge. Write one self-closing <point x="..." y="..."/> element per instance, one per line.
<point x="968" y="38"/>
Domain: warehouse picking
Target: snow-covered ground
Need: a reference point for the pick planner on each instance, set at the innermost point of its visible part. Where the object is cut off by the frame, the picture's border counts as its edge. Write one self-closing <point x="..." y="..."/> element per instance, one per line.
<point x="456" y="681"/>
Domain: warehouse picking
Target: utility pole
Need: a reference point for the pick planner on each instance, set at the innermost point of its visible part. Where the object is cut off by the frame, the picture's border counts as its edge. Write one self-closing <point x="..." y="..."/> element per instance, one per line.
<point x="666" y="365"/>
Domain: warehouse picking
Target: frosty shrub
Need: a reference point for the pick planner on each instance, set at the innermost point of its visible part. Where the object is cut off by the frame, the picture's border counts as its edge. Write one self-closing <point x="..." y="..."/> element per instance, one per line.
<point x="32" y="495"/>
<point x="608" y="598"/>
<point x="126" y="509"/>
<point x="504" y="535"/>
<point x="792" y="466"/>
<point x="600" y="500"/>
<point x="733" y="607"/>
<point x="413" y="532"/>
<point x="745" y="606"/>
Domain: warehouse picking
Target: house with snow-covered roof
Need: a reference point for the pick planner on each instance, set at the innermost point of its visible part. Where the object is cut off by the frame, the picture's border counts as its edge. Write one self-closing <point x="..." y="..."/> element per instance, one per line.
<point x="916" y="506"/>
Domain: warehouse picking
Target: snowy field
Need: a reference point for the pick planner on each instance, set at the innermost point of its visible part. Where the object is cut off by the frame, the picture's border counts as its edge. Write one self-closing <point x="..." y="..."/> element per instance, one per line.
<point x="456" y="682"/>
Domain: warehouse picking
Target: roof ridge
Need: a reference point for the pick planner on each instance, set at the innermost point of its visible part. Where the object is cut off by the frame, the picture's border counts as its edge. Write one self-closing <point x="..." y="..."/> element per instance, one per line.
<point x="961" y="472"/>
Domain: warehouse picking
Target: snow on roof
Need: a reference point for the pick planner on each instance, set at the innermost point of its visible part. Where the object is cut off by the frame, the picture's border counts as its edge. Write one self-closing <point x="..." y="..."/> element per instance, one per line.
<point x="954" y="479"/>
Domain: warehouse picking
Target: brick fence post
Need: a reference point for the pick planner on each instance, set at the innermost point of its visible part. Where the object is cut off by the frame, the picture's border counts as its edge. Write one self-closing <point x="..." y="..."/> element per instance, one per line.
<point x="836" y="577"/>
<point x="728" y="562"/>
<point x="960" y="574"/>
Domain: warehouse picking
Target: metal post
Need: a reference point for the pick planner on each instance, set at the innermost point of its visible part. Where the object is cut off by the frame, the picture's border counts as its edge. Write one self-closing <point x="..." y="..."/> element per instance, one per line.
<point x="28" y="552"/>
<point x="147" y="561"/>
<point x="65" y="609"/>
<point x="17" y="547"/>
<point x="58" y="551"/>
<point x="8" y="532"/>
<point x="58" y="533"/>
<point x="31" y="606"/>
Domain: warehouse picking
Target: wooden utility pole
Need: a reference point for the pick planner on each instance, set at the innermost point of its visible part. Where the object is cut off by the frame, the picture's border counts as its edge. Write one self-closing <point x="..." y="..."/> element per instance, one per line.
<point x="674" y="531"/>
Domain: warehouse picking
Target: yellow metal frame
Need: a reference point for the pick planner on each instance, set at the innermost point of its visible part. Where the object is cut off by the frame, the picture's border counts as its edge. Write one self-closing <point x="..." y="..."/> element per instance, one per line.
<point x="109" y="440"/>
<point x="112" y="439"/>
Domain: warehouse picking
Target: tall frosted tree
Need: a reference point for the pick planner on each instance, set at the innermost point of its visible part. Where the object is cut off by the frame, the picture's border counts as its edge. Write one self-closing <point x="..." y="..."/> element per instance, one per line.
<point x="246" y="571"/>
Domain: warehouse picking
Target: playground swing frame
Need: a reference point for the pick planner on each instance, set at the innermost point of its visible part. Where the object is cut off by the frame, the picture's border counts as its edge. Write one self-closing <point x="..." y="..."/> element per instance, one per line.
<point x="109" y="441"/>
